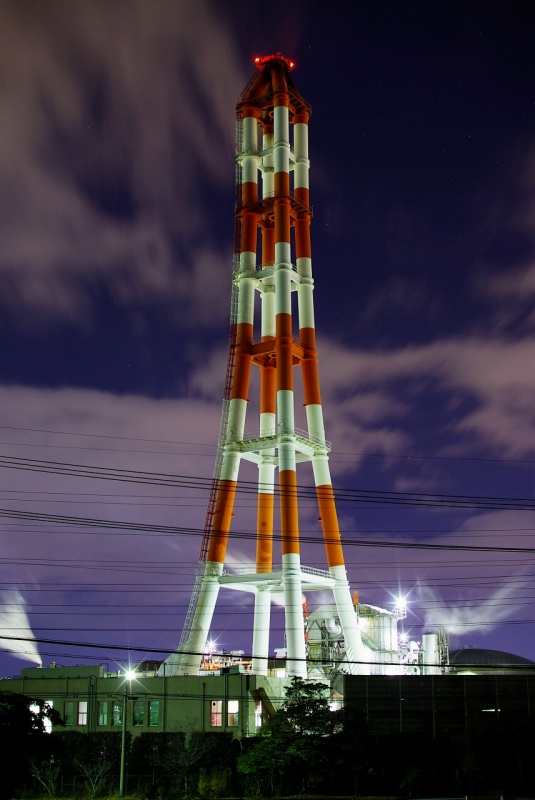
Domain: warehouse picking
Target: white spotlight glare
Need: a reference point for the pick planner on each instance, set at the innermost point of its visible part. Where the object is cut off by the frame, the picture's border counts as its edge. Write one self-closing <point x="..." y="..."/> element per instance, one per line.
<point x="400" y="607"/>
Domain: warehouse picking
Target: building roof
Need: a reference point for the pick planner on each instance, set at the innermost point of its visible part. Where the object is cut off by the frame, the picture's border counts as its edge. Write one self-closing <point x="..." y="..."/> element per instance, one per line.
<point x="475" y="656"/>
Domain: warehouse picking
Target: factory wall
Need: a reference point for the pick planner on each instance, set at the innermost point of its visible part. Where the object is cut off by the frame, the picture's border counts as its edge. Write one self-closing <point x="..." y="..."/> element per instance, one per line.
<point x="90" y="700"/>
<point x="435" y="704"/>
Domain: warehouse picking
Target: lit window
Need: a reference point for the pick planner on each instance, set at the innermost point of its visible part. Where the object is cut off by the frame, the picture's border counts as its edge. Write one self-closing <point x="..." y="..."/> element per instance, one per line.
<point x="216" y="715"/>
<point x="82" y="712"/>
<point x="103" y="712"/>
<point x="138" y="712"/>
<point x="117" y="714"/>
<point x="258" y="714"/>
<point x="68" y="713"/>
<point x="36" y="709"/>
<point x="232" y="713"/>
<point x="154" y="712"/>
<point x="47" y="723"/>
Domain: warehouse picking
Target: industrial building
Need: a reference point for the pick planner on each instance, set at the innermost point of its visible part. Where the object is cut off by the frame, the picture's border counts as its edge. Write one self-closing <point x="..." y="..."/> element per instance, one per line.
<point x="92" y="699"/>
<point x="225" y="697"/>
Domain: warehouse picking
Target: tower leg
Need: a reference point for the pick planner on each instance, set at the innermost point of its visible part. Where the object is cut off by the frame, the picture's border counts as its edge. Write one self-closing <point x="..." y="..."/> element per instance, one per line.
<point x="293" y="604"/>
<point x="188" y="659"/>
<point x="262" y="616"/>
<point x="348" y="622"/>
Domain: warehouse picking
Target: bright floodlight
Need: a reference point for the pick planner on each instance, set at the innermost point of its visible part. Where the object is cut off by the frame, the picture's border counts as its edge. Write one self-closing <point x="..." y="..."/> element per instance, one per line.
<point x="400" y="608"/>
<point x="129" y="674"/>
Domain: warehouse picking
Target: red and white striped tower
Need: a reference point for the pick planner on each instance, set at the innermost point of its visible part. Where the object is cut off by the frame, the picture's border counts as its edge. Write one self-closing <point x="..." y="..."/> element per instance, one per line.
<point x="273" y="213"/>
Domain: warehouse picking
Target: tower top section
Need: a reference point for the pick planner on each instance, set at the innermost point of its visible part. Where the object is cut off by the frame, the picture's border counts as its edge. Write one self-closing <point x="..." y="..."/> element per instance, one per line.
<point x="270" y="85"/>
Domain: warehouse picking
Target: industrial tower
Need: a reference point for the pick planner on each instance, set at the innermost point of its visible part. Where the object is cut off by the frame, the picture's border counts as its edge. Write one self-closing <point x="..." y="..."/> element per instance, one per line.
<point x="273" y="216"/>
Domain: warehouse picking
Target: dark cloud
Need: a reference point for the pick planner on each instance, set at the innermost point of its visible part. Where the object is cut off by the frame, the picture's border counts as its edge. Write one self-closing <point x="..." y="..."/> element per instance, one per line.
<point x="116" y="118"/>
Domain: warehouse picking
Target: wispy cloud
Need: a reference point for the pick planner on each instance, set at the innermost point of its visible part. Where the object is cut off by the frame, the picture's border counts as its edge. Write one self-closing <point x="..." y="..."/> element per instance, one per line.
<point x="117" y="125"/>
<point x="476" y="391"/>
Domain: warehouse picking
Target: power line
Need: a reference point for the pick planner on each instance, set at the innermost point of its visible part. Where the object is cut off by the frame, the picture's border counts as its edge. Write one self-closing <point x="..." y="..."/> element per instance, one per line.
<point x="137" y="528"/>
<point x="149" y="652"/>
<point x="248" y="487"/>
<point x="381" y="455"/>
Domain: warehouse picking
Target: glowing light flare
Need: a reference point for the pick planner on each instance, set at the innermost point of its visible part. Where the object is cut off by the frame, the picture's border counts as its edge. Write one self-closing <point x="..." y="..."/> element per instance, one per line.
<point x="400" y="607"/>
<point x="130" y="674"/>
<point x="260" y="61"/>
<point x="210" y="647"/>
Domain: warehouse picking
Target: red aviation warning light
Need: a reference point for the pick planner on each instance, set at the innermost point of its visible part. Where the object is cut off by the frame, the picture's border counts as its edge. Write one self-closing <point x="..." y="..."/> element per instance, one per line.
<point x="261" y="61"/>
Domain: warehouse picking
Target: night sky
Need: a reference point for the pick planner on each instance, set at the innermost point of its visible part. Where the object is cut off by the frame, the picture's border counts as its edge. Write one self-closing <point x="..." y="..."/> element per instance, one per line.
<point x="116" y="241"/>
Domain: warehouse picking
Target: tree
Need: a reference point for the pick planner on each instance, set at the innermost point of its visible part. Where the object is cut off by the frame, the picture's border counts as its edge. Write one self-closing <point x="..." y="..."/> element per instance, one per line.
<point x="178" y="757"/>
<point x="95" y="755"/>
<point x="23" y="737"/>
<point x="95" y="772"/>
<point x="192" y="749"/>
<point x="294" y="747"/>
<point x="306" y="708"/>
<point x="47" y="773"/>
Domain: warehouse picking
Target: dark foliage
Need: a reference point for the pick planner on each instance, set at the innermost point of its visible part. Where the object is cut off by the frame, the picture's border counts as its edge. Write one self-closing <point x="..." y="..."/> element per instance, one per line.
<point x="22" y="738"/>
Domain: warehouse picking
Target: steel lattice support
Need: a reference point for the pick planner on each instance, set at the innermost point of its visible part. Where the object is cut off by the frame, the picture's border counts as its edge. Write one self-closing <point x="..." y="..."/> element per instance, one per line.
<point x="273" y="216"/>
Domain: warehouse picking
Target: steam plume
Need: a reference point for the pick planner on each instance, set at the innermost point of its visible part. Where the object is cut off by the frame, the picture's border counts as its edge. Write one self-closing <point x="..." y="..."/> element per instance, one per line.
<point x="14" y="622"/>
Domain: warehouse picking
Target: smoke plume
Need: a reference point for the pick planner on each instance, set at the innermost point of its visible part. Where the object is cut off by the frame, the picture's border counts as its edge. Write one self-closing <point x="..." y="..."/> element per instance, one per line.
<point x="14" y="622"/>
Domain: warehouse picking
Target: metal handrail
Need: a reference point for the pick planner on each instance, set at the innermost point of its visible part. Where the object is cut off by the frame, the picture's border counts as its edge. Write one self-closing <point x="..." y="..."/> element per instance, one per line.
<point x="320" y="573"/>
<point x="272" y="434"/>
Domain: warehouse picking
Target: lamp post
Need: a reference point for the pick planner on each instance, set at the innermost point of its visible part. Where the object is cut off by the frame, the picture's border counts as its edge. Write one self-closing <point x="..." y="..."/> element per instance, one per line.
<point x="129" y="675"/>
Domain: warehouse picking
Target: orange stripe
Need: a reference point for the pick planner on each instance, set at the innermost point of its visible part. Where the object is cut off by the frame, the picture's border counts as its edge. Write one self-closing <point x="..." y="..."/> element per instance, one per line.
<point x="258" y="88"/>
<point x="268" y="397"/>
<point x="244" y="333"/>
<point x="281" y="98"/>
<point x="281" y="184"/>
<point x="222" y="518"/>
<point x="278" y="81"/>
<point x="284" y="325"/>
<point x="268" y="247"/>
<point x="242" y="362"/>
<point x="309" y="367"/>
<point x="264" y="528"/>
<point x="302" y="194"/>
<point x="281" y="214"/>
<point x="311" y="382"/>
<point x="288" y="511"/>
<point x="242" y="373"/>
<point x="249" y="232"/>
<point x="249" y="193"/>
<point x="307" y="337"/>
<point x="284" y="351"/>
<point x="329" y="525"/>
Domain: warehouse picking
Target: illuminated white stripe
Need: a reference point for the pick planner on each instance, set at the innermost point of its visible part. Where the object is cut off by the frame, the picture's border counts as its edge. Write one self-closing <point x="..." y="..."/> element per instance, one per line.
<point x="314" y="414"/>
<point x="306" y="306"/>
<point x="246" y="297"/>
<point x="301" y="168"/>
<point x="236" y="418"/>
<point x="293" y="606"/>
